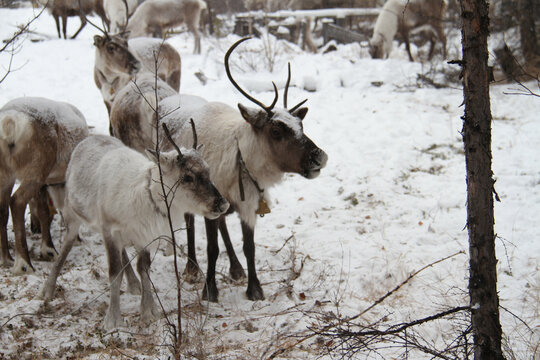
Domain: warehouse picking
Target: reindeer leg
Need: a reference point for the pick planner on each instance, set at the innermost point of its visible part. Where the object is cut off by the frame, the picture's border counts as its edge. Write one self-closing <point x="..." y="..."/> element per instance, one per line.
<point x="57" y="21"/>
<point x="408" y="45"/>
<point x="148" y="309"/>
<point x="64" y="25"/>
<point x="192" y="27"/>
<point x="5" y="194"/>
<point x="72" y="234"/>
<point x="133" y="284"/>
<point x="35" y="226"/>
<point x="18" y="202"/>
<point x="236" y="271"/>
<point x="83" y="24"/>
<point x="113" y="318"/>
<point x="442" y="37"/>
<point x="254" y="289"/>
<point x="210" y="291"/>
<point x="192" y="270"/>
<point x="47" y="247"/>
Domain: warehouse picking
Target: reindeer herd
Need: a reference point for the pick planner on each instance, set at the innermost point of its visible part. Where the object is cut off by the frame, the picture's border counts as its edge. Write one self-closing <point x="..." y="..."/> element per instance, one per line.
<point x="213" y="158"/>
<point x="112" y="183"/>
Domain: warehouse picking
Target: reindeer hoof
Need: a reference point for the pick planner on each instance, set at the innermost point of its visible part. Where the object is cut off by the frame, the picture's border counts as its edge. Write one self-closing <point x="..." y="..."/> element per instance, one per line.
<point x="210" y="293"/>
<point x="237" y="273"/>
<point x="192" y="275"/>
<point x="112" y="322"/>
<point x="7" y="262"/>
<point x="255" y="293"/>
<point x="149" y="316"/>
<point x="21" y="267"/>
<point x="48" y="253"/>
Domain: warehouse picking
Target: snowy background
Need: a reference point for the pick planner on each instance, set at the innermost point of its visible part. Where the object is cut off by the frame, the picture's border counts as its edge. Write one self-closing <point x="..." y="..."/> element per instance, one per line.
<point x="390" y="201"/>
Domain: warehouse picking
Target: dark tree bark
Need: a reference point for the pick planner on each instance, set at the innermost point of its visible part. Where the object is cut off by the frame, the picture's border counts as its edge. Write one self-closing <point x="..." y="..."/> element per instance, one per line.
<point x="476" y="133"/>
<point x="527" y="29"/>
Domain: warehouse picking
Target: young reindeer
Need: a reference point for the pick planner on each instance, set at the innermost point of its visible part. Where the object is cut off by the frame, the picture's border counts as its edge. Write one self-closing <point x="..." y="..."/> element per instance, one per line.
<point x="247" y="151"/>
<point x="403" y="17"/>
<point x="117" y="191"/>
<point x="154" y="17"/>
<point x="118" y="60"/>
<point x="67" y="8"/>
<point x="37" y="137"/>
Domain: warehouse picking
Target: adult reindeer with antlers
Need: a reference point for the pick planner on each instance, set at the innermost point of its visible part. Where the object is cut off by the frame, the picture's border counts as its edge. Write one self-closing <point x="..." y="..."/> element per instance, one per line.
<point x="248" y="151"/>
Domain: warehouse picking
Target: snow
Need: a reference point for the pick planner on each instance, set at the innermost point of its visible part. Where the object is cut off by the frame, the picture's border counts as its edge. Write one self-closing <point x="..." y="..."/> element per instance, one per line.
<point x="390" y="201"/>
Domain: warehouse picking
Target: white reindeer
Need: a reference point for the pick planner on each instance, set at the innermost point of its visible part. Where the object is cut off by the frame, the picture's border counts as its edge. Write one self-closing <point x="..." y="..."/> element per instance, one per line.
<point x="403" y="17"/>
<point x="116" y="191"/>
<point x="154" y="17"/>
<point x="118" y="61"/>
<point x="271" y="142"/>
<point x="37" y="137"/>
<point x="118" y="13"/>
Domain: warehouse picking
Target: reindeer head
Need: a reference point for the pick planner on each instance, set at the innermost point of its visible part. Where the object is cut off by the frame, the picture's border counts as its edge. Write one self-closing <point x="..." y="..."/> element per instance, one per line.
<point x="186" y="175"/>
<point x="112" y="51"/>
<point x="282" y="130"/>
<point x="377" y="46"/>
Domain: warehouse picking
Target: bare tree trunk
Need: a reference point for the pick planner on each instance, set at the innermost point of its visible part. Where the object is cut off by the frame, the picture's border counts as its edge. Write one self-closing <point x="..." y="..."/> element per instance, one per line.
<point x="480" y="220"/>
<point x="527" y="29"/>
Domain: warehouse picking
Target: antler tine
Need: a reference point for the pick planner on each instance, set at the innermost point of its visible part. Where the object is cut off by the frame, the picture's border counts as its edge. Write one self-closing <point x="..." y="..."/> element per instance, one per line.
<point x="287" y="85"/>
<point x="275" y="98"/>
<point x="293" y="109"/>
<point x="228" y="71"/>
<point x="168" y="134"/>
<point x="194" y="133"/>
<point x="97" y="27"/>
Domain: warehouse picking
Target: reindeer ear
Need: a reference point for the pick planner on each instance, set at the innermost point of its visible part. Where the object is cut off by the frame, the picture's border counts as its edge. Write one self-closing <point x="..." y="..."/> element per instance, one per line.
<point x="255" y="117"/>
<point x="300" y="113"/>
<point x="151" y="154"/>
<point x="98" y="40"/>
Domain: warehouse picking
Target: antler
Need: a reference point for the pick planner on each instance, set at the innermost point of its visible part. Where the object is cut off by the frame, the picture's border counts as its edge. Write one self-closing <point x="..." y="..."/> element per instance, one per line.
<point x="291" y="110"/>
<point x="268" y="109"/>
<point x="287" y="85"/>
<point x="194" y="133"/>
<point x="294" y="108"/>
<point x="168" y="134"/>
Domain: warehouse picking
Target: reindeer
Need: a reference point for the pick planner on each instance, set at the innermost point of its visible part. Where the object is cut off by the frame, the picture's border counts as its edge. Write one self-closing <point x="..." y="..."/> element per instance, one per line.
<point x="37" y="137"/>
<point x="119" y="60"/>
<point x="117" y="191"/>
<point x="154" y="17"/>
<point x="403" y="17"/>
<point x="118" y="13"/>
<point x="81" y="8"/>
<point x="248" y="151"/>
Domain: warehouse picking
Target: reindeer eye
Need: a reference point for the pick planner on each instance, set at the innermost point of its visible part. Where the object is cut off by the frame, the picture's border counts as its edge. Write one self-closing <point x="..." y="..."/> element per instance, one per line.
<point x="110" y="48"/>
<point x="276" y="133"/>
<point x="188" y="179"/>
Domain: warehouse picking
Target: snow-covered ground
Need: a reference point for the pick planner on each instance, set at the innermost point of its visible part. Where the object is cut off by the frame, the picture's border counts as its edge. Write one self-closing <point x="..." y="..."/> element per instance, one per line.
<point x="390" y="201"/>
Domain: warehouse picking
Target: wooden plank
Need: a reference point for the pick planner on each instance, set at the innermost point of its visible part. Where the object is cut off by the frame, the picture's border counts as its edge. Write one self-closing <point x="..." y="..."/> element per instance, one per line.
<point x="341" y="35"/>
<point x="316" y="14"/>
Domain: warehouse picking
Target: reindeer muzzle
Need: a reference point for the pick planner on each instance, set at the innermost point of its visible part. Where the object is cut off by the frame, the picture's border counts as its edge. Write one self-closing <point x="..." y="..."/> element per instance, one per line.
<point x="316" y="161"/>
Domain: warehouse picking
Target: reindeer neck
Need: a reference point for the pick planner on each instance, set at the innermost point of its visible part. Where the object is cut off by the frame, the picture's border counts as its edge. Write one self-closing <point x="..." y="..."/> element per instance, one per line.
<point x="257" y="157"/>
